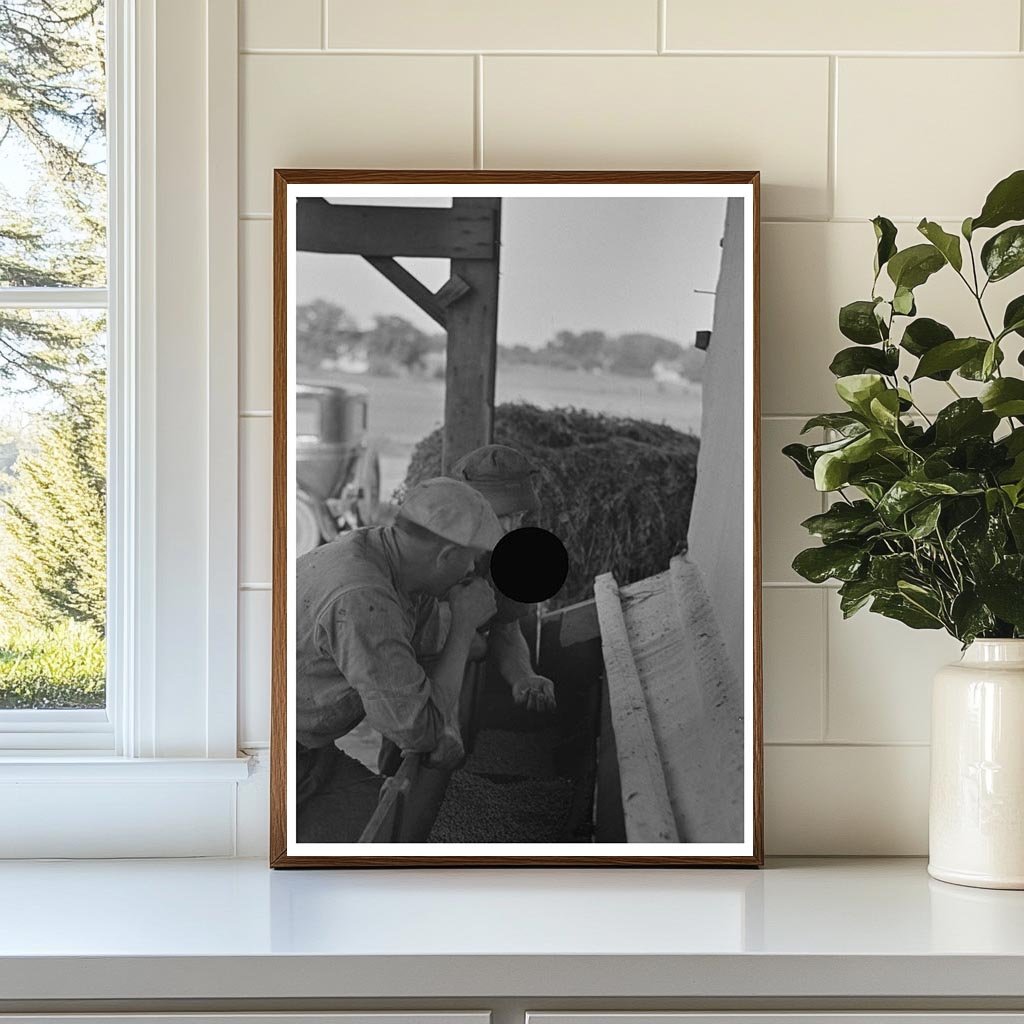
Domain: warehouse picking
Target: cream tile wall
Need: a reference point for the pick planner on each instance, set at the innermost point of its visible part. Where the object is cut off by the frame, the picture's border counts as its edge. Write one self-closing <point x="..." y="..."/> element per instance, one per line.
<point x="906" y="109"/>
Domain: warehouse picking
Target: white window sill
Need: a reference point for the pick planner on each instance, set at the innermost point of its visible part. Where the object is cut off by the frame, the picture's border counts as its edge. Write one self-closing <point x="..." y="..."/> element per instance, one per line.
<point x="81" y="767"/>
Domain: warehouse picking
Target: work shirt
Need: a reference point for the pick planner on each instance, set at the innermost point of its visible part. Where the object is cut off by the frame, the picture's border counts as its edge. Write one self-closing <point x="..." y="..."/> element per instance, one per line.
<point x="357" y="640"/>
<point x="507" y="609"/>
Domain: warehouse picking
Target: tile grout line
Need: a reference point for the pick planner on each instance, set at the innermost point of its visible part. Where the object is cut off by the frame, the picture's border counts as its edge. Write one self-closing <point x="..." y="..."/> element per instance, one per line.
<point x="848" y="744"/>
<point x="1020" y="24"/>
<point x="478" y="111"/>
<point x="898" y="220"/>
<point x="323" y="24"/>
<point x="662" y="26"/>
<point x="833" y="134"/>
<point x="824" y="724"/>
<point x="258" y="51"/>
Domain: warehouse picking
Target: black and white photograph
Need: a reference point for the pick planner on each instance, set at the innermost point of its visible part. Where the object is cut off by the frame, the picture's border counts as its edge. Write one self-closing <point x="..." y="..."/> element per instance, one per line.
<point x="516" y="568"/>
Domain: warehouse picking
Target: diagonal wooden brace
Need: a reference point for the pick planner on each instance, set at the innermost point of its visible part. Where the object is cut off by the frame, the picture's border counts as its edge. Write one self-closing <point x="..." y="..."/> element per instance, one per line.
<point x="411" y="286"/>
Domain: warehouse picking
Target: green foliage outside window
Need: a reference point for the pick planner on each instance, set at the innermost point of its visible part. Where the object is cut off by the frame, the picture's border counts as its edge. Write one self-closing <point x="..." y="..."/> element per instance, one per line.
<point x="52" y="365"/>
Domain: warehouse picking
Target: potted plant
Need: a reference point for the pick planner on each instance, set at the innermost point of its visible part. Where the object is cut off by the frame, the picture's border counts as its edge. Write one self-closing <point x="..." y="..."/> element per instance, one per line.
<point x="926" y="524"/>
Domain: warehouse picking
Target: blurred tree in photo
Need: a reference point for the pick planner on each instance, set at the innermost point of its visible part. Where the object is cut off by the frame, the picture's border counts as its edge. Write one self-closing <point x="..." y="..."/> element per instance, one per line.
<point x="53" y="215"/>
<point x="324" y="332"/>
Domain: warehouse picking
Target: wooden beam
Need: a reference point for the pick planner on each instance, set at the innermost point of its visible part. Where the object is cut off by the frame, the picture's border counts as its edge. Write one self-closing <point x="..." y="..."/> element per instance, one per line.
<point x="451" y="291"/>
<point x="472" y="344"/>
<point x="645" y="802"/>
<point x="461" y="232"/>
<point x="410" y="286"/>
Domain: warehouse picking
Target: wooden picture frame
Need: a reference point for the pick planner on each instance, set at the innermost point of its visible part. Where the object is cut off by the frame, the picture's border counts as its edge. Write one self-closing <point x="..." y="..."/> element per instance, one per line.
<point x="468" y="414"/>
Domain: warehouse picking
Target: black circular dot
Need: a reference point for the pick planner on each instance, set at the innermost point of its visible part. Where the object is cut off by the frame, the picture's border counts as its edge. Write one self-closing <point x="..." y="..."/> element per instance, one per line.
<point x="529" y="565"/>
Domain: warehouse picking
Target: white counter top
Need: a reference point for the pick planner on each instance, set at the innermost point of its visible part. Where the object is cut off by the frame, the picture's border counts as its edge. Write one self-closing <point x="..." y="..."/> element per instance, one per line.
<point x="234" y="929"/>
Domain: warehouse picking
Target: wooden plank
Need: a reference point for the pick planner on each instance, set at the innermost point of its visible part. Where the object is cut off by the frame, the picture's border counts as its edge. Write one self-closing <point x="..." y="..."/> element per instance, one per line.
<point x="694" y="700"/>
<point x="410" y="286"/>
<point x="385" y="822"/>
<point x="577" y="623"/>
<point x="472" y="345"/>
<point x="609" y="820"/>
<point x="645" y="801"/>
<point x="464" y="233"/>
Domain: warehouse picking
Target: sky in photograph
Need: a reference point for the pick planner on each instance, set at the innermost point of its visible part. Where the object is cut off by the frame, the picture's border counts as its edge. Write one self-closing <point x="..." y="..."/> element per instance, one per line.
<point x="617" y="265"/>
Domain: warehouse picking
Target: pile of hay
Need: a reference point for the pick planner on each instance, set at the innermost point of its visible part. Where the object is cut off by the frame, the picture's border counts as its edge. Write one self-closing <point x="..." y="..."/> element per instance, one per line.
<point x="616" y="491"/>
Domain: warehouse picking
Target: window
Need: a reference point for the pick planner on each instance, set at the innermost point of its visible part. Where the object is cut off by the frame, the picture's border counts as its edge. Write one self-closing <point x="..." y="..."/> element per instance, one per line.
<point x="53" y="369"/>
<point x="162" y="170"/>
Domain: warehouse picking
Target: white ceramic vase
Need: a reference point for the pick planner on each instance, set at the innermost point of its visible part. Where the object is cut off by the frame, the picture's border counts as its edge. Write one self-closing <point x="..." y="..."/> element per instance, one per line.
<point x="976" y="816"/>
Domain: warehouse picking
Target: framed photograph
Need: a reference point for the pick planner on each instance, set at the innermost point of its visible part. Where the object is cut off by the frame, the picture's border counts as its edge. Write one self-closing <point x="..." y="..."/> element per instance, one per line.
<point x="516" y="586"/>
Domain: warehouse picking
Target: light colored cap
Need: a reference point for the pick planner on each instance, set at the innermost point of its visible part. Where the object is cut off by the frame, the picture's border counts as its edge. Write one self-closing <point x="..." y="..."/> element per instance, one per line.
<point x="453" y="511"/>
<point x="503" y="475"/>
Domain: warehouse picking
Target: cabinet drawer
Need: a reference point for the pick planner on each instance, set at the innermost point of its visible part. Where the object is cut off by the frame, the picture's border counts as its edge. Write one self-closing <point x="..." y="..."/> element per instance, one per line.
<point x="852" y="1017"/>
<point x="354" y="1017"/>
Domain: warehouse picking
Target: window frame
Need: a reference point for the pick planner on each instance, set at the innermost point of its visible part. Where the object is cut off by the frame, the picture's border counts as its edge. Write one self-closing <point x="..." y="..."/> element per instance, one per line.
<point x="92" y="729"/>
<point x="172" y="510"/>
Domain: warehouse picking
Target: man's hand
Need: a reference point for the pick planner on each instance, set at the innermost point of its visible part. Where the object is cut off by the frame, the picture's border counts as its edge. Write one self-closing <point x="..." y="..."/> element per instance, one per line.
<point x="536" y="692"/>
<point x="449" y="751"/>
<point x="478" y="647"/>
<point x="472" y="605"/>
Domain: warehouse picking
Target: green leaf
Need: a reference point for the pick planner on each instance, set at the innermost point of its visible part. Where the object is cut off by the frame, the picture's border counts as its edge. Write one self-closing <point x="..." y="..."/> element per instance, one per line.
<point x="965" y="229"/>
<point x="799" y="455"/>
<point x="849" y="361"/>
<point x="947" y="244"/>
<point x="912" y="267"/>
<point x="964" y="482"/>
<point x="923" y="335"/>
<point x="899" y="608"/>
<point x="925" y="518"/>
<point x="966" y="417"/>
<point x="1014" y="441"/>
<point x="990" y="360"/>
<point x="1013" y="317"/>
<point x="831" y="471"/>
<point x="906" y="494"/>
<point x="858" y="389"/>
<point x="1006" y="599"/>
<point x="841" y="421"/>
<point x="857" y="321"/>
<point x="1015" y="519"/>
<point x="903" y="302"/>
<point x="1004" y="397"/>
<point x="885" y="237"/>
<point x="864" y="447"/>
<point x="970" y="617"/>
<point x="1003" y="254"/>
<point x="855" y="594"/>
<point x="887" y="570"/>
<point x="1005" y="202"/>
<point x="841" y="561"/>
<point x="885" y="409"/>
<point x="842" y="521"/>
<point x="950" y="355"/>
<point x="817" y="450"/>
<point x="974" y="368"/>
<point x="994" y="499"/>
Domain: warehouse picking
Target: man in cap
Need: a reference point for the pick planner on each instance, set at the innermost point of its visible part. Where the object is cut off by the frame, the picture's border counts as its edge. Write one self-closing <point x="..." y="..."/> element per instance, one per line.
<point x="504" y="476"/>
<point x="366" y="606"/>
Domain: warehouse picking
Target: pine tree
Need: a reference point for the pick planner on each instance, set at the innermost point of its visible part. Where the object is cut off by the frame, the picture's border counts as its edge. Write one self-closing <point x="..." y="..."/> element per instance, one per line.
<point x="53" y="521"/>
<point x="52" y="122"/>
<point x="53" y="234"/>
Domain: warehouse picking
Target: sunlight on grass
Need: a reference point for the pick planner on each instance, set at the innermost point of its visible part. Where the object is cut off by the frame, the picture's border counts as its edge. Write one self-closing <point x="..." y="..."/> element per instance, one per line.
<point x="60" y="667"/>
